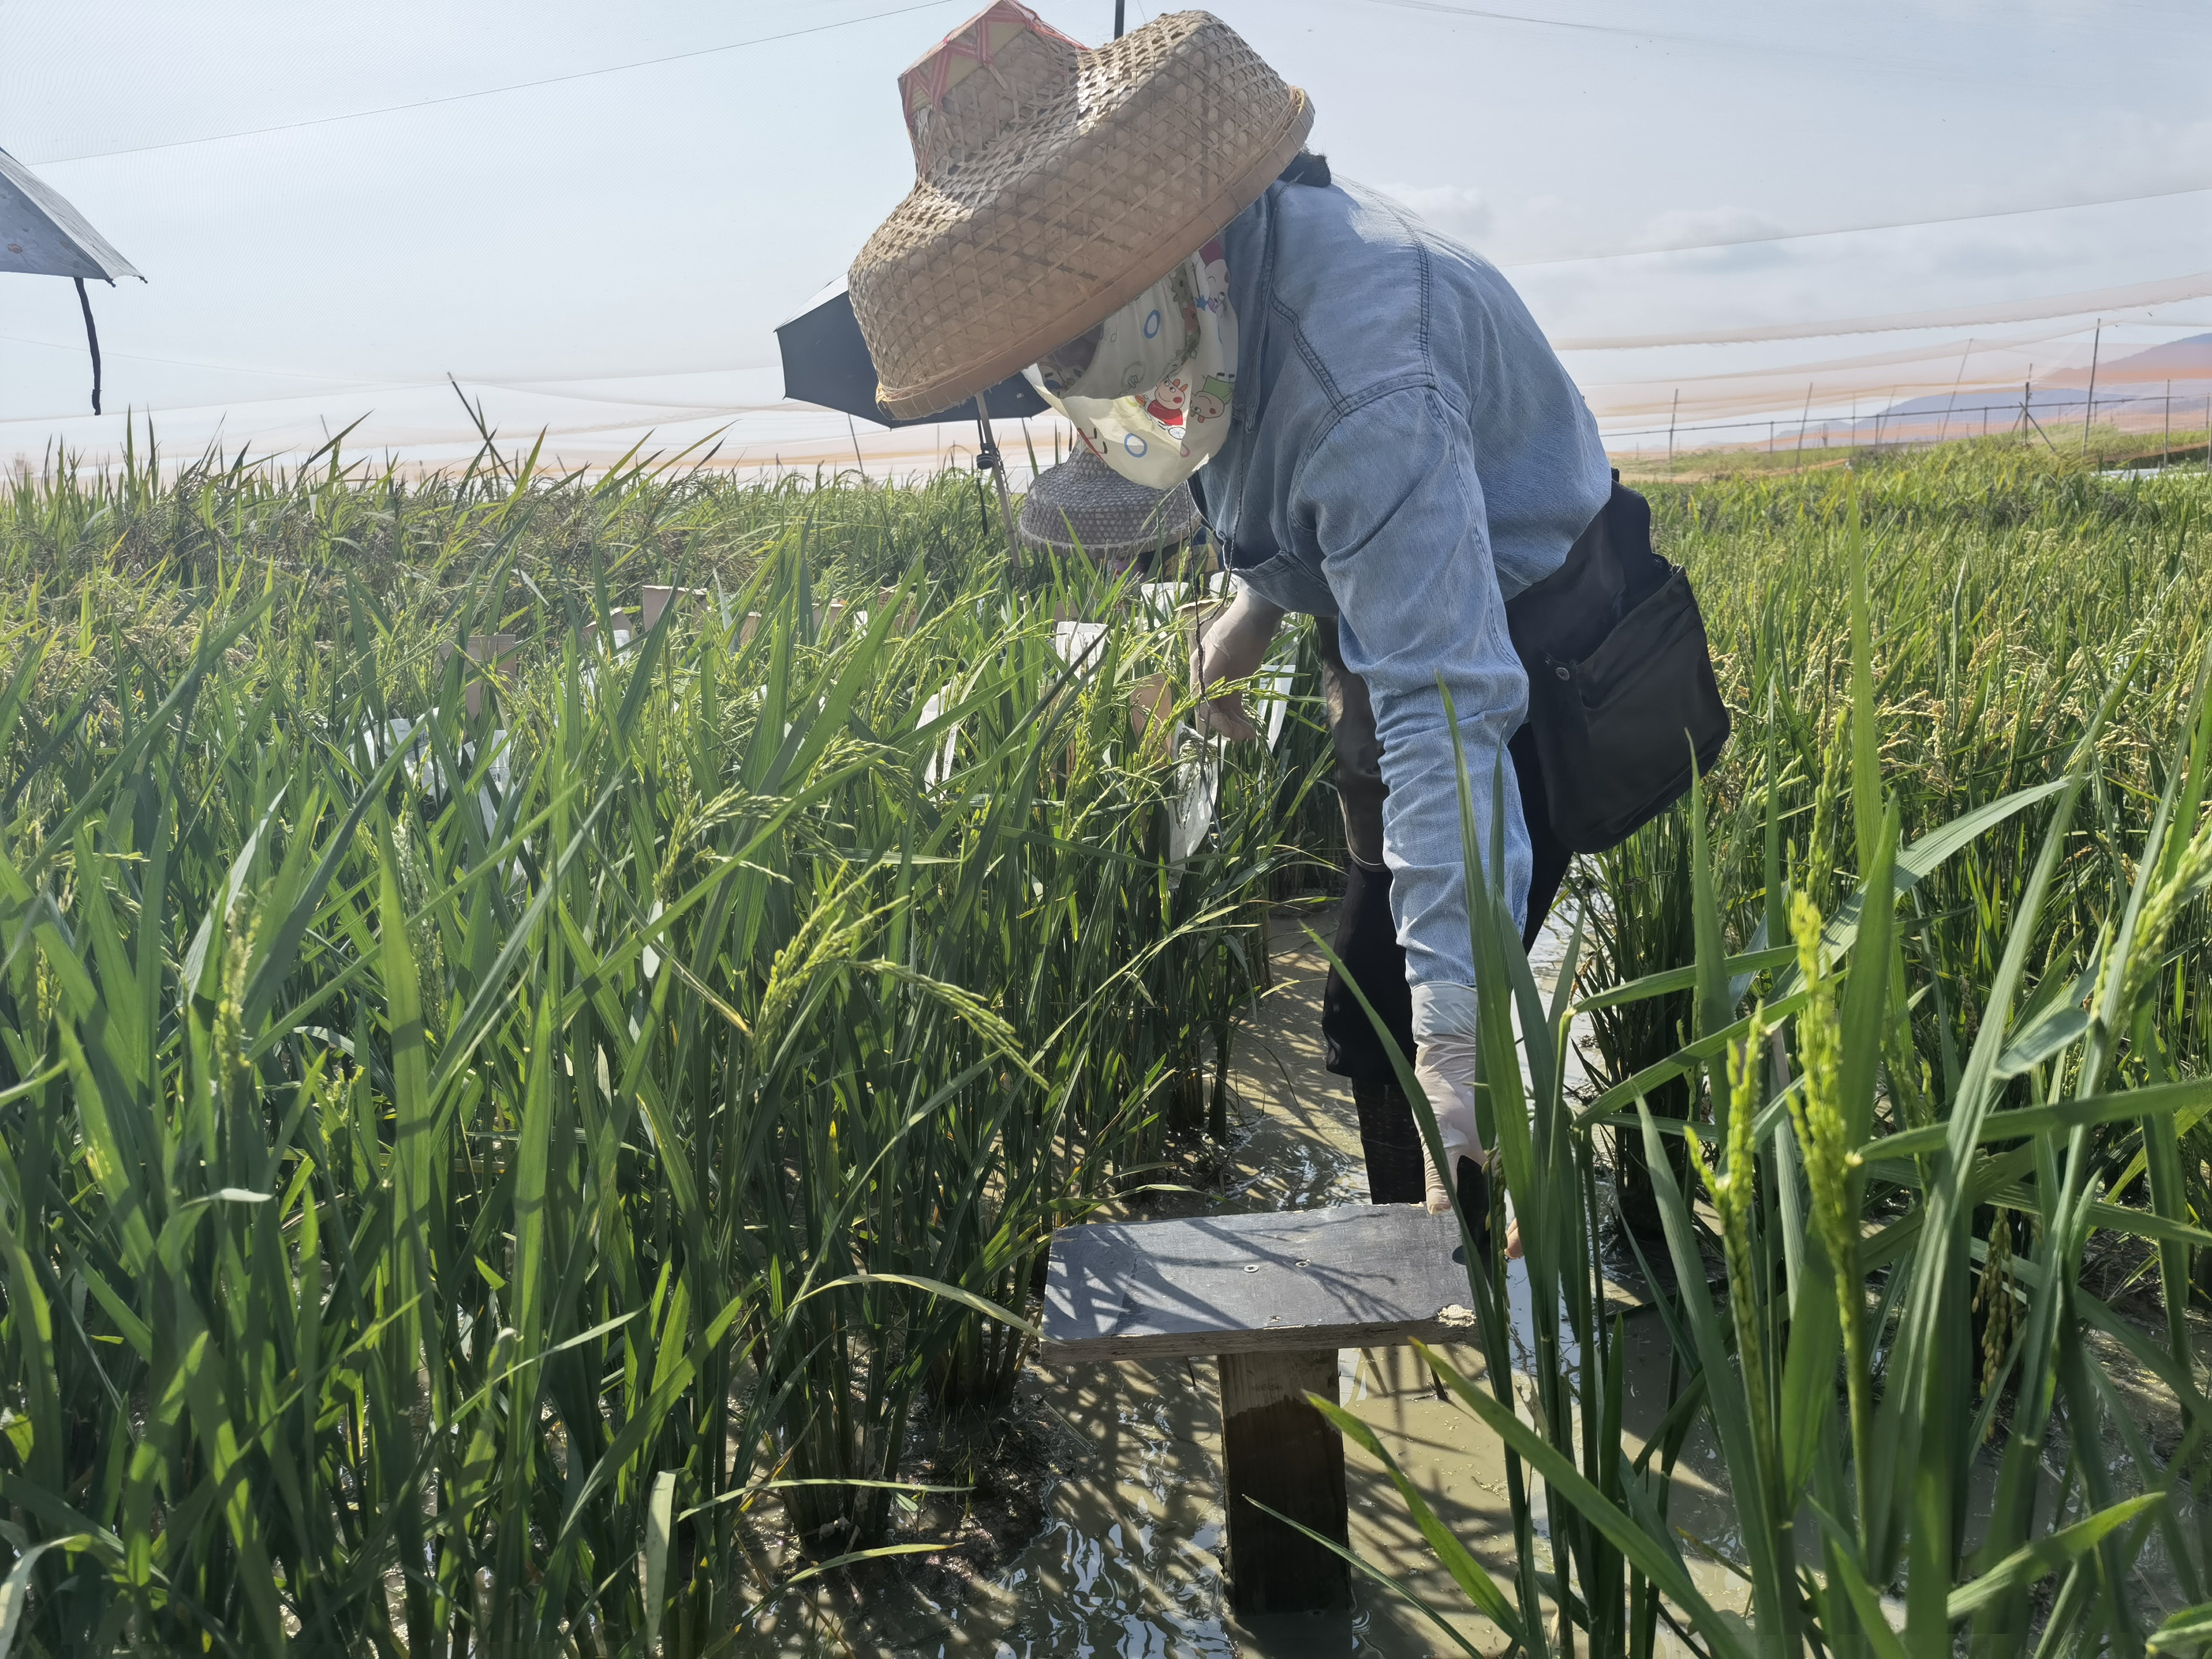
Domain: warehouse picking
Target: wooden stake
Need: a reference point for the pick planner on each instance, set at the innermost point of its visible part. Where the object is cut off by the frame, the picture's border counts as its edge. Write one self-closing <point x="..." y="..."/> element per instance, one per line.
<point x="1273" y="1297"/>
<point x="489" y="655"/>
<point x="1278" y="1450"/>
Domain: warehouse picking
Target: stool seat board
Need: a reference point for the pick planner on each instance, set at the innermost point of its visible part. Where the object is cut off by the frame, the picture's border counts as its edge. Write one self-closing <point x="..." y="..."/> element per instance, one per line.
<point x="1284" y="1281"/>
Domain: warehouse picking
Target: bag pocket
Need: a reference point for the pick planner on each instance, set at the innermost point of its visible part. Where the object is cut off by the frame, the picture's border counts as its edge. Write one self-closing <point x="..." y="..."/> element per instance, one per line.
<point x="1621" y="733"/>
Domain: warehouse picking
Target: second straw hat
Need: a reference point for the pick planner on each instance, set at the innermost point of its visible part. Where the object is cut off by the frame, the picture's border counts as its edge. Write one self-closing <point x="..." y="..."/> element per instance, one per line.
<point x="1054" y="183"/>
<point x="1083" y="505"/>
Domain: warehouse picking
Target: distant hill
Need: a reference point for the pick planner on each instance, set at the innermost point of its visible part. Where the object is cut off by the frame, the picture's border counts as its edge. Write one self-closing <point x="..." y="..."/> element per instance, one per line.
<point x="2186" y="362"/>
<point x="2136" y="381"/>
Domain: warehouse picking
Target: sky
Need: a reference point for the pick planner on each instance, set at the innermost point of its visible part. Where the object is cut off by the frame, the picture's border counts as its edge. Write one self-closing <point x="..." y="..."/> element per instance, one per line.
<point x="591" y="218"/>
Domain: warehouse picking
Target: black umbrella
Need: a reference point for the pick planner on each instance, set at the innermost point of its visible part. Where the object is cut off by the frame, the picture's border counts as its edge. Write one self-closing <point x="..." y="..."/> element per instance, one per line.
<point x="826" y="362"/>
<point x="42" y="235"/>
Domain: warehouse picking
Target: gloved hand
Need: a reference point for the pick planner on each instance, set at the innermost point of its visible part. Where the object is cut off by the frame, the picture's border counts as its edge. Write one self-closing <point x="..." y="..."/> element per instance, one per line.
<point x="1445" y="1065"/>
<point x="1230" y="646"/>
<point x="1445" y="1068"/>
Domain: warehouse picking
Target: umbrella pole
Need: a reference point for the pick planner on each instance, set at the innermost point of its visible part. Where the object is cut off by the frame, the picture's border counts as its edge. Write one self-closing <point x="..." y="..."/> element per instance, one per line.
<point x="91" y="334"/>
<point x="987" y="456"/>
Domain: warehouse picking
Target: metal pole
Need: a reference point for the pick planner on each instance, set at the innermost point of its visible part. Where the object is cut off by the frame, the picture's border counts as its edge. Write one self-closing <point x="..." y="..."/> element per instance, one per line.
<point x="2166" y="448"/>
<point x="2089" y="411"/>
<point x="1118" y="16"/>
<point x="1671" y="413"/>
<point x="2027" y="421"/>
<point x="988" y="456"/>
<point x="1944" y="430"/>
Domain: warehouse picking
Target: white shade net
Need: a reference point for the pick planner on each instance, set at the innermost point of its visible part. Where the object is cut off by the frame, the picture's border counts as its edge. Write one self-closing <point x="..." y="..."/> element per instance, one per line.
<point x="587" y="224"/>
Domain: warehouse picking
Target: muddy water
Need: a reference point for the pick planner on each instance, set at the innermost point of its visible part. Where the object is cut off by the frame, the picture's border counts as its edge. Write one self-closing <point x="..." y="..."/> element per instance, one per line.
<point x="1128" y="1561"/>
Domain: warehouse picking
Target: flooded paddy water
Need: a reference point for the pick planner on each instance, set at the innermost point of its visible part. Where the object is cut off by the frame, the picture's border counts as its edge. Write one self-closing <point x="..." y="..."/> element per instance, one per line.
<point x="1127" y="1560"/>
<point x="1126" y="1554"/>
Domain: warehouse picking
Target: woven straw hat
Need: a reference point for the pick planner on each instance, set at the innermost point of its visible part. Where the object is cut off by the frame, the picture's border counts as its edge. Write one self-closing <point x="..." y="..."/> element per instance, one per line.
<point x="1053" y="185"/>
<point x="1083" y="505"/>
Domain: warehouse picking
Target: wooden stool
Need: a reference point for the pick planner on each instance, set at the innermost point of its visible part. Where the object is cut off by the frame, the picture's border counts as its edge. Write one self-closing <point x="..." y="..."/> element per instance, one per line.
<point x="1271" y="1298"/>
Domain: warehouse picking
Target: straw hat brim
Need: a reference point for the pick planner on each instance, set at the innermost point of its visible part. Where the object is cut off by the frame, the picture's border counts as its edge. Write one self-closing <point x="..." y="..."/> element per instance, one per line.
<point x="976" y="276"/>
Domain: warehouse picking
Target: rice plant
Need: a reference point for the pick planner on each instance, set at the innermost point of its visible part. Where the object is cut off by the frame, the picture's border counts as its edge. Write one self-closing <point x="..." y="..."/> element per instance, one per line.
<point x="477" y="1141"/>
<point x="1876" y="1268"/>
<point x="473" y="1137"/>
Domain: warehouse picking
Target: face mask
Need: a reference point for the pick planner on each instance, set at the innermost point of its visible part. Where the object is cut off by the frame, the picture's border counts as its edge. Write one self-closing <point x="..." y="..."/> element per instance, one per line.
<point x="1148" y="390"/>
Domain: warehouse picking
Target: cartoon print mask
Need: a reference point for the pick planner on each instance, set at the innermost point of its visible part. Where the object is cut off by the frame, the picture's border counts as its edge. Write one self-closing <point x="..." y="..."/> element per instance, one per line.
<point x="1148" y="390"/>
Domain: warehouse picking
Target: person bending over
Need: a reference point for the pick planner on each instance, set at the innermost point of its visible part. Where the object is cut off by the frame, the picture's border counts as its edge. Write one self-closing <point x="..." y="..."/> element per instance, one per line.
<point x="1389" y="444"/>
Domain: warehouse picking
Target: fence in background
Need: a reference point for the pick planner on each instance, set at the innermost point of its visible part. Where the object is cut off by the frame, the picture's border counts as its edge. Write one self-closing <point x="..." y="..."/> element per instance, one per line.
<point x="2033" y="414"/>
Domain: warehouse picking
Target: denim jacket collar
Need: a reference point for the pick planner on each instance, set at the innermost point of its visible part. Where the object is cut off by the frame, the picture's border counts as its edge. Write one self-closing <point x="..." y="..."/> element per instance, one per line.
<point x="1252" y="321"/>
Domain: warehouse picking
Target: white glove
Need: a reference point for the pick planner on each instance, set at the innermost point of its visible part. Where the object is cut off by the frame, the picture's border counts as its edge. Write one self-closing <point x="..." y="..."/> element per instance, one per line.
<point x="1445" y="1066"/>
<point x="1231" y="645"/>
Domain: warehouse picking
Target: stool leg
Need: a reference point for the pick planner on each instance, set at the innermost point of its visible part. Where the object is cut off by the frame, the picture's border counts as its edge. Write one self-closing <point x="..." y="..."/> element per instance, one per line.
<point x="1278" y="1449"/>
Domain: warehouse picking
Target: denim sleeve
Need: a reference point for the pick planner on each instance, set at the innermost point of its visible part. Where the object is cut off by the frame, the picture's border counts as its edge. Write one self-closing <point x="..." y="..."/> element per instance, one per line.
<point x="1392" y="498"/>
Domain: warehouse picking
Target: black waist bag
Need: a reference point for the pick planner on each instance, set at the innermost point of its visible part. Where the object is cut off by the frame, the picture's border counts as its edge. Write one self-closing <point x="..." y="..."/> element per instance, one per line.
<point x="1621" y="693"/>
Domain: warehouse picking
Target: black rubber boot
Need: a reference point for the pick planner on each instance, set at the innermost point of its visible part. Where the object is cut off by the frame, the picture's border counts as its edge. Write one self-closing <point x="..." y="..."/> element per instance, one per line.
<point x="1392" y="1143"/>
<point x="1475" y="1200"/>
<point x="1397" y="1173"/>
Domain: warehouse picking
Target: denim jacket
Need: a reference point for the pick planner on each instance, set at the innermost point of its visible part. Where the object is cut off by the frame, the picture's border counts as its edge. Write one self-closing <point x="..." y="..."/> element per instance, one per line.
<point x="1406" y="453"/>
